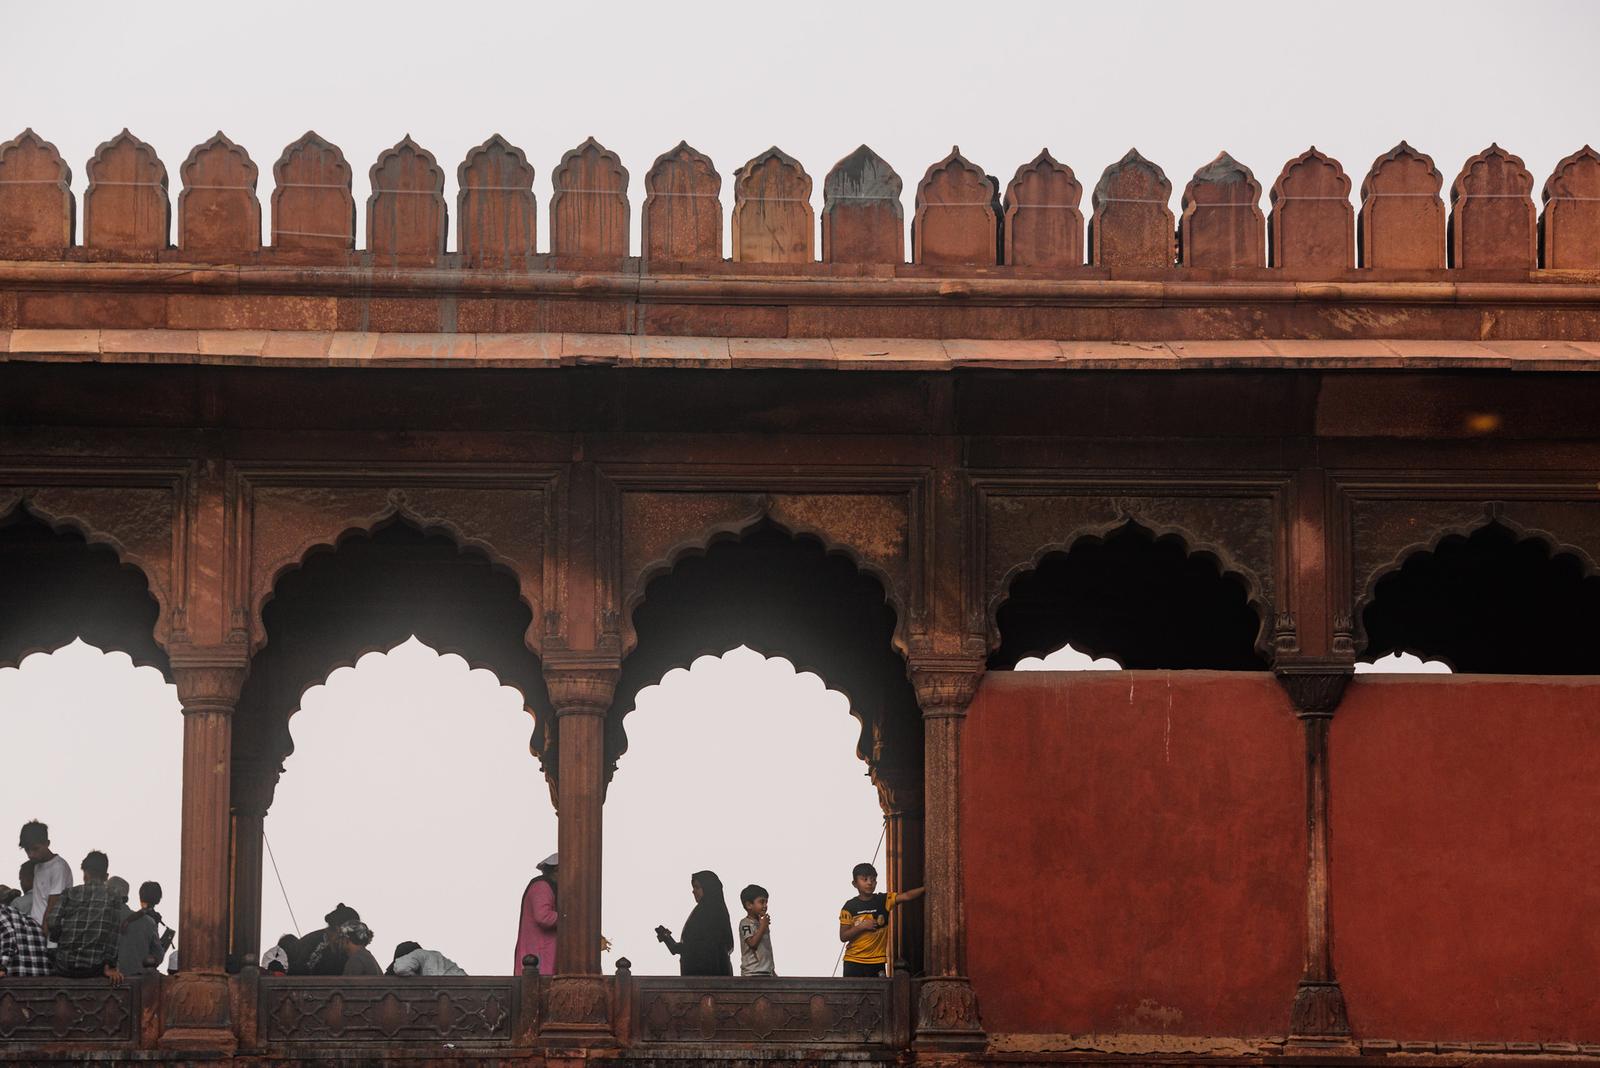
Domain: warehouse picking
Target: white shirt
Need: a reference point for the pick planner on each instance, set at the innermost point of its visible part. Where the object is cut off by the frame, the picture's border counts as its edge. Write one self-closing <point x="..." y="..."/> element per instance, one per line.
<point x="426" y="962"/>
<point x="52" y="877"/>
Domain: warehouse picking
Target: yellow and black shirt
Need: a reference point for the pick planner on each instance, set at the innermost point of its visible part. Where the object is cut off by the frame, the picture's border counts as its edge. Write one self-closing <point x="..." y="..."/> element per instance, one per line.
<point x="873" y="946"/>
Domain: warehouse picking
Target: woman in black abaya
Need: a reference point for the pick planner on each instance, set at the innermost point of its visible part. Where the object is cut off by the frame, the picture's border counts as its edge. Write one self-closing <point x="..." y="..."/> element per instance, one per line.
<point x="707" y="944"/>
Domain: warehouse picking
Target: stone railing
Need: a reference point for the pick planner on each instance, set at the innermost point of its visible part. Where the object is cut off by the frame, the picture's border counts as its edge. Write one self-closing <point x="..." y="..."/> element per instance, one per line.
<point x="961" y="219"/>
<point x="44" y="1016"/>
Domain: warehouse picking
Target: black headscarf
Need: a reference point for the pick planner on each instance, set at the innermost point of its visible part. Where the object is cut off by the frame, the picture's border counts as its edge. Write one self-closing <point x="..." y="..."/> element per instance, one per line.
<point x="707" y="943"/>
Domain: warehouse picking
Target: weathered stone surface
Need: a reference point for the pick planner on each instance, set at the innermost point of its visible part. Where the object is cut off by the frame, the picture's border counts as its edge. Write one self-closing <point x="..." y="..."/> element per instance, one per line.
<point x="1043" y="216"/>
<point x="1132" y="223"/>
<point x="406" y="216"/>
<point x="862" y="218"/>
<point x="36" y="206"/>
<point x="1312" y="224"/>
<point x="1569" y="228"/>
<point x="1491" y="213"/>
<point x="218" y="212"/>
<point x="958" y="215"/>
<point x="773" y="221"/>
<point x="1222" y="224"/>
<point x="1401" y="223"/>
<point x="589" y="204"/>
<point x="125" y="207"/>
<point x="682" y="220"/>
<point x="313" y="208"/>
<point x="495" y="208"/>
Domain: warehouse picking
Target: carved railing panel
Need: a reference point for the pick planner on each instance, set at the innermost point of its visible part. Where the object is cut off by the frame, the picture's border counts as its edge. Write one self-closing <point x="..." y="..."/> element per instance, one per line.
<point x="387" y="1010"/>
<point x="54" y="1011"/>
<point x="800" y="1012"/>
<point x="1020" y="520"/>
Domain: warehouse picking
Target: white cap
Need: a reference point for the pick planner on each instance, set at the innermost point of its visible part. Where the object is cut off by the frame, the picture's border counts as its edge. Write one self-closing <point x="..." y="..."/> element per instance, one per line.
<point x="552" y="861"/>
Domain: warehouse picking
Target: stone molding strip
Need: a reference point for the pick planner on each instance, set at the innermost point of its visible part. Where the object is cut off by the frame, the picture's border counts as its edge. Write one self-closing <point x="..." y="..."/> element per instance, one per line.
<point x="343" y="349"/>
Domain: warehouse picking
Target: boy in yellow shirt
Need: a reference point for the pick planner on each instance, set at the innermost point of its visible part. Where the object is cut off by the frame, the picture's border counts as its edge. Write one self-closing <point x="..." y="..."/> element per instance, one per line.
<point x="864" y="924"/>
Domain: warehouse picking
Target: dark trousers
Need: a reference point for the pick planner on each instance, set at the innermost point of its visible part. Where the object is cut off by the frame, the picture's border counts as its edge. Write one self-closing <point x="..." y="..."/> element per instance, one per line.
<point x="853" y="970"/>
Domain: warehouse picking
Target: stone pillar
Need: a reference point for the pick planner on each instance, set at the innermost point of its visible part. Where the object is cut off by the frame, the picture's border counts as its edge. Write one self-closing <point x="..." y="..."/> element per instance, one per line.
<point x="947" y="1008"/>
<point x="252" y="794"/>
<point x="195" y="1003"/>
<point x="1318" y="1017"/>
<point x="900" y="792"/>
<point x="577" y="1004"/>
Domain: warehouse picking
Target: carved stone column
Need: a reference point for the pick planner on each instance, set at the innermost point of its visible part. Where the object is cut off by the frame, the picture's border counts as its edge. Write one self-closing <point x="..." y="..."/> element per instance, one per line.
<point x="252" y="792"/>
<point x="577" y="1006"/>
<point x="900" y="792"/>
<point x="1316" y="685"/>
<point x="195" y="1004"/>
<point x="947" y="1008"/>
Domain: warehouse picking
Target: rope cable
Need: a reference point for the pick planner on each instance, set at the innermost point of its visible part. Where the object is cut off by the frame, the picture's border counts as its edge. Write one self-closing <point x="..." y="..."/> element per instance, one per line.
<point x="268" y="843"/>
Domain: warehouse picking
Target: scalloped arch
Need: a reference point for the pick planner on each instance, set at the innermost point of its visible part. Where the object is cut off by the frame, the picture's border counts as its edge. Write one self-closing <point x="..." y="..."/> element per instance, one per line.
<point x="1492" y="516"/>
<point x="23" y="507"/>
<point x="396" y="509"/>
<point x="736" y="529"/>
<point x="1193" y="547"/>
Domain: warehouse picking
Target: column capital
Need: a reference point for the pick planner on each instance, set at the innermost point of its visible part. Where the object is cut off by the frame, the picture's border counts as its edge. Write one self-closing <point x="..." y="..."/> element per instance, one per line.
<point x="1315" y="684"/>
<point x="945" y="685"/>
<point x="581" y="684"/>
<point x="209" y="678"/>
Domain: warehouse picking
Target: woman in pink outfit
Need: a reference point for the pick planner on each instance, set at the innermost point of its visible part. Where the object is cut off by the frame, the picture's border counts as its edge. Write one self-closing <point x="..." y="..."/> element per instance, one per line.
<point x="536" y="930"/>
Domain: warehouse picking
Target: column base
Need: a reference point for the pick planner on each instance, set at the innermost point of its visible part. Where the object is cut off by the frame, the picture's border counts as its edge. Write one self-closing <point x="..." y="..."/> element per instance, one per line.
<point x="947" y="1015"/>
<point x="577" y="1012"/>
<point x="195" y="1013"/>
<point x="1319" y="1018"/>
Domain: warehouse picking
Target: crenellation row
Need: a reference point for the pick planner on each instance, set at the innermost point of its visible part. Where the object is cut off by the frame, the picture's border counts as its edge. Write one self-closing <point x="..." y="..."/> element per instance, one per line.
<point x="961" y="216"/>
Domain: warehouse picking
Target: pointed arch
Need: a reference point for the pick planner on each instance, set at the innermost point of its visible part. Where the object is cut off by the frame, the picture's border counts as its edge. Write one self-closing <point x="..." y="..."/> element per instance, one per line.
<point x="61" y="581"/>
<point x="1145" y="596"/>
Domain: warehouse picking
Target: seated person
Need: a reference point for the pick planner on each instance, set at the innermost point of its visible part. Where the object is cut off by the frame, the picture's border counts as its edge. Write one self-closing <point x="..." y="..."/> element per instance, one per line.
<point x="22" y="947"/>
<point x="354" y="938"/>
<point x="411" y="959"/>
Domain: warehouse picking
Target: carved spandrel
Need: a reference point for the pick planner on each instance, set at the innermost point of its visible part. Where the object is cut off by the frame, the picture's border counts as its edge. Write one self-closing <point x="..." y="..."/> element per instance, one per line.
<point x="1020" y="528"/>
<point x="137" y="521"/>
<point x="1384" y="533"/>
<point x="288" y="521"/>
<point x="386" y="1011"/>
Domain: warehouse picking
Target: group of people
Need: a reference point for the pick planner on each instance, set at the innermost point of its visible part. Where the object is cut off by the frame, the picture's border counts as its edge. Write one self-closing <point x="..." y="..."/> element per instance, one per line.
<point x="342" y="948"/>
<point x="706" y="946"/>
<point x="49" y="926"/>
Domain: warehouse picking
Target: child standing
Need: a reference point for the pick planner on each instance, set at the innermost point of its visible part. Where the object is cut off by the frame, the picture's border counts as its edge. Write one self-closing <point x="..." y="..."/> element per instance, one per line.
<point x="864" y="924"/>
<point x="755" y="933"/>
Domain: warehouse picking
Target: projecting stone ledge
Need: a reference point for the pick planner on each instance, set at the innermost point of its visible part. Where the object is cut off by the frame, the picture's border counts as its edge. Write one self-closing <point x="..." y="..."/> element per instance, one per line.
<point x="351" y="348"/>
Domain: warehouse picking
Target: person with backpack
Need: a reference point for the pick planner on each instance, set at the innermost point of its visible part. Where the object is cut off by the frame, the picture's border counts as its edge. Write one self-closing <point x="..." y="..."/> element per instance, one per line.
<point x="140" y="939"/>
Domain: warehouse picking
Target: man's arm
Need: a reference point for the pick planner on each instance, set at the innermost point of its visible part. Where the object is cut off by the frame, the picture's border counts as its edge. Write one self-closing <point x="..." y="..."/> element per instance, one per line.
<point x="861" y="926"/>
<point x="909" y="895"/>
<point x="48" y="922"/>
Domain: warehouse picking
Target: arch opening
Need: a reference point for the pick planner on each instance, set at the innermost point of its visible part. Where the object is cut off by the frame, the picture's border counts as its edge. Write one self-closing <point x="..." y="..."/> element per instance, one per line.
<point x="749" y="656"/>
<point x="58" y="587"/>
<point x="1489" y="602"/>
<point x="1141" y="600"/>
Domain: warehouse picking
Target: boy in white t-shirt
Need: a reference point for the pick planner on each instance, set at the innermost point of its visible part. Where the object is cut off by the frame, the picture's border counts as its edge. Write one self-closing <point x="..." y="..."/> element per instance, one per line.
<point x="52" y="875"/>
<point x="755" y="933"/>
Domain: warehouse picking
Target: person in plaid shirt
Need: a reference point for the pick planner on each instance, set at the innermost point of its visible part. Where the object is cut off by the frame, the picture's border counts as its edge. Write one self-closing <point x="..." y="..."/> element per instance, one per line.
<point x="22" y="948"/>
<point x="87" y="923"/>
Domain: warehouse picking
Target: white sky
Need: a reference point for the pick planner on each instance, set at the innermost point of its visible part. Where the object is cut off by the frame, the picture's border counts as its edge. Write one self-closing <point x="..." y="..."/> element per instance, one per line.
<point x="432" y="831"/>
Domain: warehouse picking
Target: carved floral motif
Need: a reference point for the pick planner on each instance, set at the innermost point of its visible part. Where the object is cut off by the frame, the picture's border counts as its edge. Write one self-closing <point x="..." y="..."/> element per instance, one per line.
<point x="65" y="1010"/>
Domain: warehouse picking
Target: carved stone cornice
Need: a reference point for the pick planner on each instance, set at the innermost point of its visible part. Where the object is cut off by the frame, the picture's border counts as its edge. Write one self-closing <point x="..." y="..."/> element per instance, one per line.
<point x="581" y="684"/>
<point x="1315" y="684"/>
<point x="209" y="678"/>
<point x="945" y="685"/>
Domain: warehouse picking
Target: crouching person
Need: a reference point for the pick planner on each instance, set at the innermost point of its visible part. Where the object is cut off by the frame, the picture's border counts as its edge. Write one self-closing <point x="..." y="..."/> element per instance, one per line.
<point x="411" y="959"/>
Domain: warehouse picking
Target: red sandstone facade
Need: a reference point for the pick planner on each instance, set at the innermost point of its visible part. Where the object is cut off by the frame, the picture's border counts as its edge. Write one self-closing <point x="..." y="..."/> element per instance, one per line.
<point x="602" y="458"/>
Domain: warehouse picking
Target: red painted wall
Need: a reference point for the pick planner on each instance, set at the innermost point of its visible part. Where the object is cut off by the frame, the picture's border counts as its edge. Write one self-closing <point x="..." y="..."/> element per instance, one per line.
<point x="1135" y="852"/>
<point x="1466" y="858"/>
